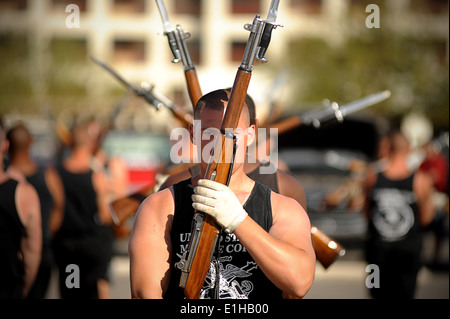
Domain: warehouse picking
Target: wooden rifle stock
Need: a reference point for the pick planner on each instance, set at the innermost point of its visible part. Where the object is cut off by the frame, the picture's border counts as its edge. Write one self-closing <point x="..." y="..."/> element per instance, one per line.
<point x="327" y="250"/>
<point x="219" y="170"/>
<point x="201" y="262"/>
<point x="123" y="208"/>
<point x="185" y="117"/>
<point x="287" y="124"/>
<point x="194" y="90"/>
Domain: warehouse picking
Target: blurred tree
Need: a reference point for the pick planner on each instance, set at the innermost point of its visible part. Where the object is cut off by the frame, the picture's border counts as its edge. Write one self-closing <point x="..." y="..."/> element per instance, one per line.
<point x="15" y="89"/>
<point x="416" y="71"/>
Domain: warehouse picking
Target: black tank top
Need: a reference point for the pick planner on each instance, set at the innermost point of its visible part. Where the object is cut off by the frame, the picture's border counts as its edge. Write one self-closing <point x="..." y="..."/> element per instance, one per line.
<point x="270" y="180"/>
<point x="80" y="211"/>
<point x="38" y="181"/>
<point x="11" y="233"/>
<point x="241" y="278"/>
<point x="394" y="212"/>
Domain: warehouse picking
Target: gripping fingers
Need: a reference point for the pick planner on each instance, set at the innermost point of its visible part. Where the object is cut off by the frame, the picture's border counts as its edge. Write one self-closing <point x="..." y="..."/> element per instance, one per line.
<point x="204" y="208"/>
<point x="212" y="184"/>
<point x="206" y="192"/>
<point x="203" y="200"/>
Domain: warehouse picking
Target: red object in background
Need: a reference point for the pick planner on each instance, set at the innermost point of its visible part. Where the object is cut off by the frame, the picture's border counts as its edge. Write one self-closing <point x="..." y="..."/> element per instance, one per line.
<point x="436" y="164"/>
<point x="142" y="176"/>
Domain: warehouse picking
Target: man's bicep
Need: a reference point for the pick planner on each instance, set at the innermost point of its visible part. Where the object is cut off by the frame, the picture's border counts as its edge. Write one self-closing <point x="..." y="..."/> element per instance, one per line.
<point x="292" y="225"/>
<point x="149" y="250"/>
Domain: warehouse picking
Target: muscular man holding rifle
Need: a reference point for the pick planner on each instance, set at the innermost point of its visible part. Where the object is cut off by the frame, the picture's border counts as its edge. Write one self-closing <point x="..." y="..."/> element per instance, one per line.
<point x="265" y="252"/>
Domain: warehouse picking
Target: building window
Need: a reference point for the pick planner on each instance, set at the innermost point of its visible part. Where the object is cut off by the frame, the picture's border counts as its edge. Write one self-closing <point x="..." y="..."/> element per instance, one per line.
<point x="68" y="50"/>
<point x="15" y="86"/>
<point x="191" y="7"/>
<point x="307" y="6"/>
<point x="237" y="51"/>
<point x="66" y="53"/>
<point x="129" y="51"/>
<point x="129" y="6"/>
<point x="429" y="6"/>
<point x="12" y="5"/>
<point x="60" y="5"/>
<point x="245" y="6"/>
<point x="358" y="7"/>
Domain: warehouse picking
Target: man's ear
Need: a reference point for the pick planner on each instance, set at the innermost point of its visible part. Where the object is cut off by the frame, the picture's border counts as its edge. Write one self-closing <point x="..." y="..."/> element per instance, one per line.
<point x="191" y="133"/>
<point x="251" y="135"/>
<point x="256" y="124"/>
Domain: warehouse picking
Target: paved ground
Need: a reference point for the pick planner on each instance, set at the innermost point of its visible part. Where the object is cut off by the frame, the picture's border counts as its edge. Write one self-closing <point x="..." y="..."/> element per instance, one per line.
<point x="345" y="279"/>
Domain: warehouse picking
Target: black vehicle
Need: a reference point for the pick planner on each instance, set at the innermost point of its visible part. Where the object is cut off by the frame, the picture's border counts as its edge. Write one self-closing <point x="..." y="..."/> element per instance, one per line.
<point x="319" y="159"/>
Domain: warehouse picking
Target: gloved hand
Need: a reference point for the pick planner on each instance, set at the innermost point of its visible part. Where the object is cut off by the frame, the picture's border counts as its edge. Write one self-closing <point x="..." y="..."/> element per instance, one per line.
<point x="218" y="201"/>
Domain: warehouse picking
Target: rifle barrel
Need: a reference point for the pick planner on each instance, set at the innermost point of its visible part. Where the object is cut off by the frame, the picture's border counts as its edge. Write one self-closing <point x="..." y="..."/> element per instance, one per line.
<point x="115" y="74"/>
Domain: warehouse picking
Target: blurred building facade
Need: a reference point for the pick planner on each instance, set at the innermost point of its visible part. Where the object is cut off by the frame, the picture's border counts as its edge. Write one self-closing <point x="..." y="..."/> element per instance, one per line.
<point x="127" y="34"/>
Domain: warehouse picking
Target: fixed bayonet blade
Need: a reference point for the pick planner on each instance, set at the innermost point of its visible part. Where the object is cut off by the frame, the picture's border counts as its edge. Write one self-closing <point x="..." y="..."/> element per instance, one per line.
<point x="333" y="111"/>
<point x="173" y="34"/>
<point x="267" y="33"/>
<point x="273" y="11"/>
<point x="164" y="16"/>
<point x="364" y="102"/>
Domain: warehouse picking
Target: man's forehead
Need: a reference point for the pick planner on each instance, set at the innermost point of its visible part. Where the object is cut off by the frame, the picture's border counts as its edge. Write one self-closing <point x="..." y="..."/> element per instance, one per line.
<point x="211" y="117"/>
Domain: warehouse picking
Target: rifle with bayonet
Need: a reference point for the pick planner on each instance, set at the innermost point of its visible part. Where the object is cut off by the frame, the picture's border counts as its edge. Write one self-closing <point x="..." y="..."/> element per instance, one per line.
<point x="177" y="43"/>
<point x="122" y="208"/>
<point x="327" y="250"/>
<point x="195" y="262"/>
<point x="331" y="112"/>
<point x="147" y="93"/>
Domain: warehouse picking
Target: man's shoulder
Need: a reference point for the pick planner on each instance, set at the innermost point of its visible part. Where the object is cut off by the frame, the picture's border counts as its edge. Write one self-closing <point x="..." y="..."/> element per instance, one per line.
<point x="156" y="208"/>
<point x="288" y="214"/>
<point x="284" y="203"/>
<point x="162" y="197"/>
<point x="179" y="177"/>
<point x="166" y="197"/>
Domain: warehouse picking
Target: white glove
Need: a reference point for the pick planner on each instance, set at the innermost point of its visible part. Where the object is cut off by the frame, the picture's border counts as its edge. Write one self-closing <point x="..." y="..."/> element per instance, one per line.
<point x="218" y="201"/>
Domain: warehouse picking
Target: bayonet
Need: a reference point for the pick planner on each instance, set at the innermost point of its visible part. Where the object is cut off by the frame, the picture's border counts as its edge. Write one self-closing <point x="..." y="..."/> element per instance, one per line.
<point x="148" y="94"/>
<point x="333" y="111"/>
<point x="176" y="37"/>
<point x="267" y="33"/>
<point x="273" y="11"/>
<point x="364" y="102"/>
<point x="177" y="43"/>
<point x="164" y="16"/>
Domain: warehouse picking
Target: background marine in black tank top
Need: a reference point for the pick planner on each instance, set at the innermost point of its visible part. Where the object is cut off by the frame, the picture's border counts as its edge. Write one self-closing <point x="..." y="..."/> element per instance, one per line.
<point x="11" y="232"/>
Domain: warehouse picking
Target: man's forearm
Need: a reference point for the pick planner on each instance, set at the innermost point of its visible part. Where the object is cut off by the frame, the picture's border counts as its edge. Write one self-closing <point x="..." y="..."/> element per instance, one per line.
<point x="290" y="268"/>
<point x="31" y="259"/>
